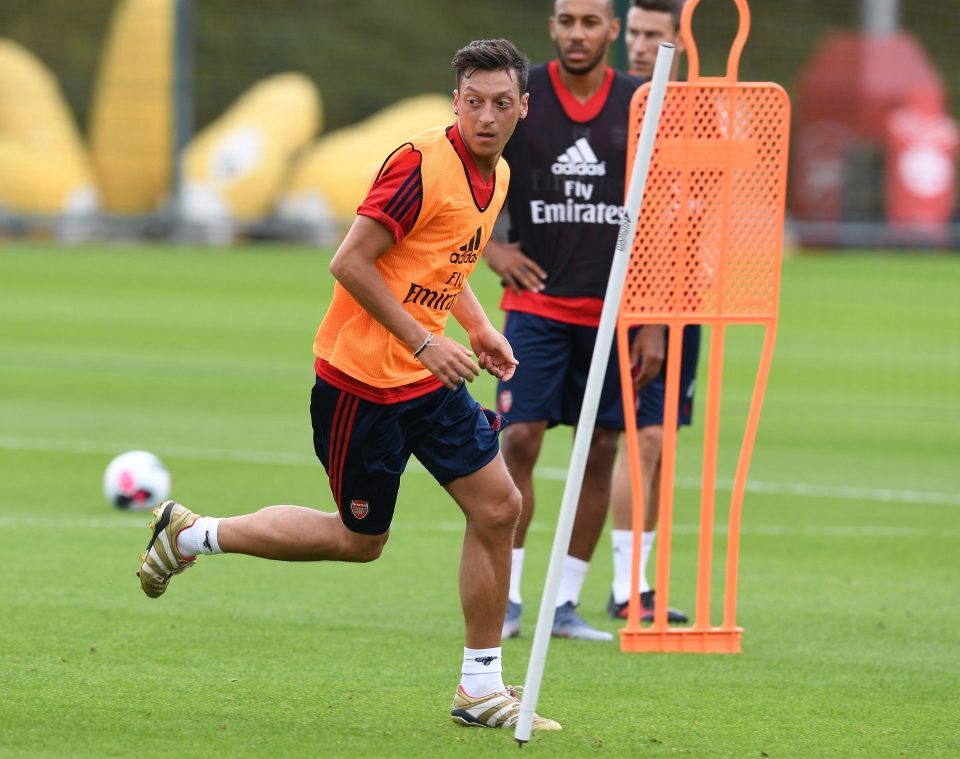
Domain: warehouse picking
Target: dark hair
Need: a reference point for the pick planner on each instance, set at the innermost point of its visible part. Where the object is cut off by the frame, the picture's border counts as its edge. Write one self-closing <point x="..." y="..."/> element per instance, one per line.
<point x="610" y="7"/>
<point x="673" y="7"/>
<point x="490" y="55"/>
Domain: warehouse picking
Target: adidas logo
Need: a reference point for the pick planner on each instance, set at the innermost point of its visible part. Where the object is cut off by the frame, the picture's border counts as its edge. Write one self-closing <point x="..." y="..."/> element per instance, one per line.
<point x="469" y="252"/>
<point x="579" y="160"/>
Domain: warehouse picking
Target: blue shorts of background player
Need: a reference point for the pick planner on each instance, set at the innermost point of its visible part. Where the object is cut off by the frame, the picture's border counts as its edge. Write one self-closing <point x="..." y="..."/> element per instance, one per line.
<point x="651" y="397"/>
<point x="551" y="378"/>
<point x="365" y="446"/>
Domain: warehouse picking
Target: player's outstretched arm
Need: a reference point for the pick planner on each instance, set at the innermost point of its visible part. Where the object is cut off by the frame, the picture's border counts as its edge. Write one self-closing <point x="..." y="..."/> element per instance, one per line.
<point x="492" y="349"/>
<point x="517" y="271"/>
<point x="354" y="267"/>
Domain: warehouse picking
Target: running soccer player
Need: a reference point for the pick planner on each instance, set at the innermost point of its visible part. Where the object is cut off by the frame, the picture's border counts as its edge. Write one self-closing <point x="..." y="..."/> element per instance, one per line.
<point x="390" y="383"/>
<point x="565" y="203"/>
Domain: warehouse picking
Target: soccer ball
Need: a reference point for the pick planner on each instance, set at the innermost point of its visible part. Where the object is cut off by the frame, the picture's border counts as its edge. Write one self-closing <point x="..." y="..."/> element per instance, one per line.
<point x="136" y="480"/>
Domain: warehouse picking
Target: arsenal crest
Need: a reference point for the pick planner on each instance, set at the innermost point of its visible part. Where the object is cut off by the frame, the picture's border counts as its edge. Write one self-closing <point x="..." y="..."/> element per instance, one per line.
<point x="505" y="401"/>
<point x="359" y="509"/>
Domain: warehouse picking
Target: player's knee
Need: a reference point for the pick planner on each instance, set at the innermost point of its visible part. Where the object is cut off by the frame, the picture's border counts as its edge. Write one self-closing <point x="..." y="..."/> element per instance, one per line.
<point x="366" y="548"/>
<point x="504" y="512"/>
<point x="651" y="440"/>
<point x="512" y="506"/>
<point x="603" y="446"/>
<point x="520" y="444"/>
<point x="372" y="552"/>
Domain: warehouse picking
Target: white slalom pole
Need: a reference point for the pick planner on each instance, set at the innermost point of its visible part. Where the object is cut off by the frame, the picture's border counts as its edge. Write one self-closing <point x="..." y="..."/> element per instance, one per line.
<point x="591" y="399"/>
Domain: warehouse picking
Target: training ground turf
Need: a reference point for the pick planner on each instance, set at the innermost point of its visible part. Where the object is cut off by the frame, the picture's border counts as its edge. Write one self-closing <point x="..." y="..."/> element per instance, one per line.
<point x="850" y="556"/>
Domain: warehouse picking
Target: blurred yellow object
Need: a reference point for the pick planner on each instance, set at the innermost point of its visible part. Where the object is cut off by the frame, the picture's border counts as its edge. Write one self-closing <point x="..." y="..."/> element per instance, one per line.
<point x="235" y="166"/>
<point x="131" y="131"/>
<point x="41" y="182"/>
<point x="329" y="181"/>
<point x="44" y="167"/>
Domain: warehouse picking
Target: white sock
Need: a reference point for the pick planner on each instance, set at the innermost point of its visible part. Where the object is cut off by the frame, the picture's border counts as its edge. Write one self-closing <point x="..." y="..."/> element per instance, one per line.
<point x="571" y="580"/>
<point x="622" y="560"/>
<point x="200" y="538"/>
<point x="516" y="570"/>
<point x="646" y="546"/>
<point x="482" y="671"/>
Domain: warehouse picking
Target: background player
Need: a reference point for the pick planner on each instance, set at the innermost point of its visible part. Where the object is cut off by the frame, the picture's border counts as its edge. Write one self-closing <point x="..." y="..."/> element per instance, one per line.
<point x="649" y="23"/>
<point x="390" y="383"/>
<point x="566" y="199"/>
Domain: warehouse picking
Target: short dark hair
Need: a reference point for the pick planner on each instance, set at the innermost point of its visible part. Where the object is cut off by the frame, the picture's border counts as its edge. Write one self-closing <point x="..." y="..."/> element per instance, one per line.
<point x="610" y="7"/>
<point x="490" y="55"/>
<point x="673" y="7"/>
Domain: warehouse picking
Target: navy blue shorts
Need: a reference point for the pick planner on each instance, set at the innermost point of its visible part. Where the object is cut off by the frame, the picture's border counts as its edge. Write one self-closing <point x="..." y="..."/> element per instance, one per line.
<point x="552" y="375"/>
<point x="650" y="399"/>
<point x="364" y="446"/>
<point x="551" y="378"/>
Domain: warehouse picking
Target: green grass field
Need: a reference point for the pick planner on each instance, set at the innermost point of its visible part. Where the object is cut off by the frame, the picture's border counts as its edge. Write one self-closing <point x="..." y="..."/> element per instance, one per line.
<point x="849" y="587"/>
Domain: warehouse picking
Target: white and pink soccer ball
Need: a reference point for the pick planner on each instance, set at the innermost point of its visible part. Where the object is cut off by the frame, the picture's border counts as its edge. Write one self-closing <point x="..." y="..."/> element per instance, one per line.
<point x="136" y="480"/>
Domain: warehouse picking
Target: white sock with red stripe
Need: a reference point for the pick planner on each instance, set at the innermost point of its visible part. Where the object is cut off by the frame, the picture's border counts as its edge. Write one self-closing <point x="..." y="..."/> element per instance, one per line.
<point x="482" y="671"/>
